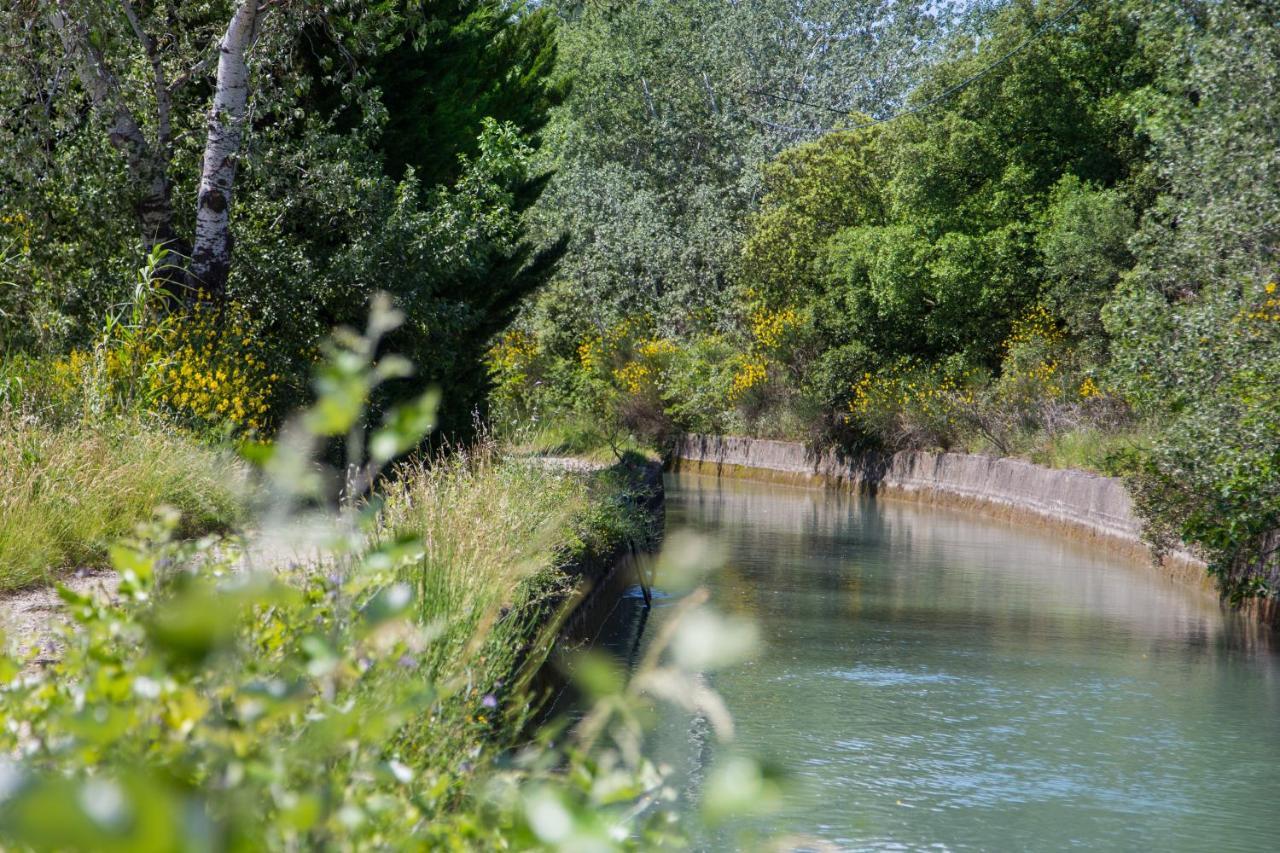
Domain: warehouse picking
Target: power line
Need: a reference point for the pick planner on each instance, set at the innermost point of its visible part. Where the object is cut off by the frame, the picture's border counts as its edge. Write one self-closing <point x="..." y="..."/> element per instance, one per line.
<point x="946" y="93"/>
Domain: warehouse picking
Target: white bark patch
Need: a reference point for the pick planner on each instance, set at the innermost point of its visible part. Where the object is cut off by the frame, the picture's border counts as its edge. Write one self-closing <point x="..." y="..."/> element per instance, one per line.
<point x="211" y="251"/>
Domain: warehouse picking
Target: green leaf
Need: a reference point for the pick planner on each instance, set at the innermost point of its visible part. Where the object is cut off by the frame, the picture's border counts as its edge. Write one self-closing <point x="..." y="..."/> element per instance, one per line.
<point x="389" y="603"/>
<point x="405" y="426"/>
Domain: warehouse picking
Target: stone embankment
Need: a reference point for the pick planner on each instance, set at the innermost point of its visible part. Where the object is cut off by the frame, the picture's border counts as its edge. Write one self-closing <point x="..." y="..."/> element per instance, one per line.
<point x="1076" y="503"/>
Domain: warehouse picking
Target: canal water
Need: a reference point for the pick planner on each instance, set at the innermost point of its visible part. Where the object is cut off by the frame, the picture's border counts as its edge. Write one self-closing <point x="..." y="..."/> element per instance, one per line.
<point x="931" y="679"/>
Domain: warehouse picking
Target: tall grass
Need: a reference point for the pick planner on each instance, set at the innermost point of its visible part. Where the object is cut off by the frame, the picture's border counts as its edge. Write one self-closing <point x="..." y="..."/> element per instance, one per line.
<point x="495" y="529"/>
<point x="68" y="490"/>
<point x="497" y="533"/>
<point x="578" y="437"/>
<point x="1088" y="448"/>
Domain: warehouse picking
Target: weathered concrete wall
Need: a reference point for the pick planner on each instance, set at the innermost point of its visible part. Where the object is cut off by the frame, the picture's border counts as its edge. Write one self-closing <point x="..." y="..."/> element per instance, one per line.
<point x="1077" y="503"/>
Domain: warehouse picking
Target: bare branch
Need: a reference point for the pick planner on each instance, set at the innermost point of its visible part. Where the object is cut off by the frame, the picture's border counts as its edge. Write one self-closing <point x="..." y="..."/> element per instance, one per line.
<point x="194" y="71"/>
<point x="164" y="103"/>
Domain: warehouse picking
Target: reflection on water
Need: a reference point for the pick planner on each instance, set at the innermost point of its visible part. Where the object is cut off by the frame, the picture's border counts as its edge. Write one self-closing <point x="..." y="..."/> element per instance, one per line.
<point x="934" y="679"/>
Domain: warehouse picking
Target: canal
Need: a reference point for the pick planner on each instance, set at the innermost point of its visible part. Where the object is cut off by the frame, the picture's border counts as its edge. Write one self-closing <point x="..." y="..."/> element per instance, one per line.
<point x="933" y="679"/>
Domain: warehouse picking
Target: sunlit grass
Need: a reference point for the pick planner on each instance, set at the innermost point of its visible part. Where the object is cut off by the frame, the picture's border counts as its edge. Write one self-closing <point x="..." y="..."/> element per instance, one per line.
<point x="495" y="528"/>
<point x="497" y="532"/>
<point x="579" y="438"/>
<point x="1087" y="449"/>
<point x="67" y="491"/>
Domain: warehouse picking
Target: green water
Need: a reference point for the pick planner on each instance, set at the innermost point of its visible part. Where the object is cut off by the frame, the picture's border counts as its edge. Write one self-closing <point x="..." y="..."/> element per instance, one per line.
<point x="934" y="680"/>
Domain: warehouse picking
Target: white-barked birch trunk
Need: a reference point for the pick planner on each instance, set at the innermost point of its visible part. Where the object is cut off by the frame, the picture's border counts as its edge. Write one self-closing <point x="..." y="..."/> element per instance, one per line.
<point x="211" y="249"/>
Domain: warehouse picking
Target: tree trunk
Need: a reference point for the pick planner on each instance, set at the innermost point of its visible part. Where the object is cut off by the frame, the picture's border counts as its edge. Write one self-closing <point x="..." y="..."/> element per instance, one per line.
<point x="211" y="253"/>
<point x="148" y="165"/>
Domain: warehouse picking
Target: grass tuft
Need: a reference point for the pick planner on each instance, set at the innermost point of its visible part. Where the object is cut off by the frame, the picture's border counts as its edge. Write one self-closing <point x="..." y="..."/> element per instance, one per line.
<point x="67" y="491"/>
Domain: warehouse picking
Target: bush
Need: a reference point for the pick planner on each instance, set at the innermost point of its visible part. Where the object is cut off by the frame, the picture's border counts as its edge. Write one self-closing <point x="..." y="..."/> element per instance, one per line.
<point x="1195" y="328"/>
<point x="915" y="405"/>
<point x="1084" y="243"/>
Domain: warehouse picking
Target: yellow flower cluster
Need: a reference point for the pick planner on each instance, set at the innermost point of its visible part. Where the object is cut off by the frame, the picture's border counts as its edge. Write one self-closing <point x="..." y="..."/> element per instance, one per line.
<point x="206" y="366"/>
<point x="511" y="357"/>
<point x="593" y="350"/>
<point x="769" y="328"/>
<point x="634" y="376"/>
<point x="750" y="373"/>
<point x="21" y="226"/>
<point x="1037" y="326"/>
<point x="216" y="370"/>
<point x="1089" y="389"/>
<point x="67" y="373"/>
<point x="590" y="352"/>
<point x="622" y="355"/>
<point x="641" y="371"/>
<point x="1269" y="311"/>
<point x="655" y="348"/>
<point x="904" y="386"/>
<point x="1045" y="375"/>
<point x="1032" y="356"/>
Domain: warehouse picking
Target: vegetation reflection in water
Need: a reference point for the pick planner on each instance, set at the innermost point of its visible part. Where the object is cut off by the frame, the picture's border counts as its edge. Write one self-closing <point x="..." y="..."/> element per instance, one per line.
<point x="931" y="678"/>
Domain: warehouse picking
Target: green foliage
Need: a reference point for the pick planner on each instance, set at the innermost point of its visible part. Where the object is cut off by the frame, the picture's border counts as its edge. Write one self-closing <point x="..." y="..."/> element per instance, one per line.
<point x="1194" y="329"/>
<point x="924" y="238"/>
<point x="452" y="256"/>
<point x="1084" y="244"/>
<point x="467" y="62"/>
<point x="812" y="191"/>
<point x="234" y="698"/>
<point x="389" y="150"/>
<point x="673" y="108"/>
<point x="905" y="252"/>
<point x="910" y="248"/>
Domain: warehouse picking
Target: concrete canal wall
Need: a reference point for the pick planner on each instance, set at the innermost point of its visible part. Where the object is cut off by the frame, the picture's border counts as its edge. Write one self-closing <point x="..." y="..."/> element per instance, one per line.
<point x="1076" y="503"/>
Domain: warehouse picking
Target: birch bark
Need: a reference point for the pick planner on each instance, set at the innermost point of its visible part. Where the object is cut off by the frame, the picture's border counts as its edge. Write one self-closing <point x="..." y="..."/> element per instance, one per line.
<point x="211" y="250"/>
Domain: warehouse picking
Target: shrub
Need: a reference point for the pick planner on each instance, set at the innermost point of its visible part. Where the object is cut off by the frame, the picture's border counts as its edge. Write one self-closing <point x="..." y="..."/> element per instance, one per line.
<point x="1084" y="243"/>
<point x="914" y="404"/>
<point x="213" y="369"/>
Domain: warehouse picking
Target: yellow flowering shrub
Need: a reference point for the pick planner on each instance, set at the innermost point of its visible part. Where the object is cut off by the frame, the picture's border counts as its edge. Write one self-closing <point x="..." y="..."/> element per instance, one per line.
<point x="511" y="361"/>
<point x="1034" y="354"/>
<point x="215" y="369"/>
<point x="634" y="376"/>
<point x="206" y="366"/>
<point x="655" y="348"/>
<point x="910" y="403"/>
<point x="641" y="371"/>
<point x="590" y="353"/>
<point x="769" y="328"/>
<point x="907" y="384"/>
<point x="1036" y="327"/>
<point x="22" y="229"/>
<point x="751" y="372"/>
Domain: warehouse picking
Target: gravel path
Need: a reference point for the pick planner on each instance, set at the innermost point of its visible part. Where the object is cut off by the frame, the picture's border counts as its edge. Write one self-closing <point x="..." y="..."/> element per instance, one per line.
<point x="30" y="617"/>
